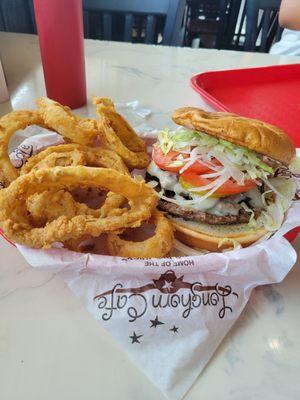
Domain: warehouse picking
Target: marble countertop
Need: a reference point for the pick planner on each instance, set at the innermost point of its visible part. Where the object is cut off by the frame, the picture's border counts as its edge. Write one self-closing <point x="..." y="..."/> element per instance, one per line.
<point x="50" y="347"/>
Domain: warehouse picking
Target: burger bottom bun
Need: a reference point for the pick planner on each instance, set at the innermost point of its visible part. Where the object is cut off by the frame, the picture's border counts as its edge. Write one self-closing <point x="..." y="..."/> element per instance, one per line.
<point x="208" y="237"/>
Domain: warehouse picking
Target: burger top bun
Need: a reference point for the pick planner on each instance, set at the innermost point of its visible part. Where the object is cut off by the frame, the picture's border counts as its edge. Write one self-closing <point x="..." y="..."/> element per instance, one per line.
<point x="250" y="133"/>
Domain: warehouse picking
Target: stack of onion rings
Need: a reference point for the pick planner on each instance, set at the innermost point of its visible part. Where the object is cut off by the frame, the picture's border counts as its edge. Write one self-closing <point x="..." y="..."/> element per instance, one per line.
<point x="38" y="207"/>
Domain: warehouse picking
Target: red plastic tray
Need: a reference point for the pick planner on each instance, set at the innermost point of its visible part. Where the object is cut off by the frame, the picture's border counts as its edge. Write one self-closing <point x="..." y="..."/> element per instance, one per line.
<point x="271" y="94"/>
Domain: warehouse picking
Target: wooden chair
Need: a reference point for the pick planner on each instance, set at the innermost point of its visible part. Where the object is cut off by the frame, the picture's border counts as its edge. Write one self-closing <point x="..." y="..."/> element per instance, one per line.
<point x="137" y="20"/>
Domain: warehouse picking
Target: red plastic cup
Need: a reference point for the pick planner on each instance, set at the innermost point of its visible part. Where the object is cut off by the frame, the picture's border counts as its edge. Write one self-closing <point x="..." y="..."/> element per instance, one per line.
<point x="60" y="30"/>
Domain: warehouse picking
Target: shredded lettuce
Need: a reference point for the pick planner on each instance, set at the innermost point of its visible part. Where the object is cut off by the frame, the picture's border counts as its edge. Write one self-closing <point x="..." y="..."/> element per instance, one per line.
<point x="295" y="166"/>
<point x="165" y="141"/>
<point x="252" y="221"/>
<point x="255" y="160"/>
<point x="226" y="144"/>
<point x="184" y="136"/>
<point x="273" y="216"/>
<point x="235" y="244"/>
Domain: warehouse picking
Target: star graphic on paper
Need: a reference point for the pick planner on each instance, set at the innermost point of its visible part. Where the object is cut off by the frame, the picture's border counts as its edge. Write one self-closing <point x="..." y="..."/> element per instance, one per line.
<point x="135" y="338"/>
<point x="155" y="322"/>
<point x="167" y="285"/>
<point x="174" y="329"/>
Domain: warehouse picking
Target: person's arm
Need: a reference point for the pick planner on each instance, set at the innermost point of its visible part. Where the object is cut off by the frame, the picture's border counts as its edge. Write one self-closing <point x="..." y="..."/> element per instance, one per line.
<point x="289" y="14"/>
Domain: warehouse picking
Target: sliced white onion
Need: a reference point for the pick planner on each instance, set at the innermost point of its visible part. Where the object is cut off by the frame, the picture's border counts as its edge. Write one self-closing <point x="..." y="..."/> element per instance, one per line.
<point x="153" y="184"/>
<point x="209" y="165"/>
<point x="235" y="172"/>
<point x="188" y="162"/>
<point x="212" y="175"/>
<point x="217" y="184"/>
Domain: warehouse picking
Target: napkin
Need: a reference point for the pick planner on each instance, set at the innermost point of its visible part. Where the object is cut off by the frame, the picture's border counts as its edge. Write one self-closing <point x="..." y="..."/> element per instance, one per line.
<point x="169" y="314"/>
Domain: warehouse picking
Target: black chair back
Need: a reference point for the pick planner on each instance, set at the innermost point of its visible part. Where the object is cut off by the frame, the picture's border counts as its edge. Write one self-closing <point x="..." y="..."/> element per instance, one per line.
<point x="140" y="17"/>
<point x="110" y="19"/>
<point x="17" y="16"/>
<point x="261" y="24"/>
<point x="229" y="13"/>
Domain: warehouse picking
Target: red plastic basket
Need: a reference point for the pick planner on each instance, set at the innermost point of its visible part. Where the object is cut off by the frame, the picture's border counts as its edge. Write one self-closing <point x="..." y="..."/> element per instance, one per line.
<point x="271" y="94"/>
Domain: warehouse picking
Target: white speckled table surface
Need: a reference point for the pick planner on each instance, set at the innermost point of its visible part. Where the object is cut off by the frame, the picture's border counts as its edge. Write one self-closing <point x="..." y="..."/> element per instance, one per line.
<point x="50" y="347"/>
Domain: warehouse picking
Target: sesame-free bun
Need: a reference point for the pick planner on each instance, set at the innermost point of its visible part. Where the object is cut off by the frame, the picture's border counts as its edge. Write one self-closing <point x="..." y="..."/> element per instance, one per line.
<point x="208" y="237"/>
<point x="250" y="133"/>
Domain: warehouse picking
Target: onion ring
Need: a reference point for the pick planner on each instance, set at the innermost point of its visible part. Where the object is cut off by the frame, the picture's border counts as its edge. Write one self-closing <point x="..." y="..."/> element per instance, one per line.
<point x="54" y="159"/>
<point x="85" y="131"/>
<point x="9" y="124"/>
<point x="121" y="127"/>
<point x="157" y="246"/>
<point x="62" y="203"/>
<point x="112" y="138"/>
<point x="113" y="202"/>
<point x="62" y="120"/>
<point x="15" y="222"/>
<point x="74" y="154"/>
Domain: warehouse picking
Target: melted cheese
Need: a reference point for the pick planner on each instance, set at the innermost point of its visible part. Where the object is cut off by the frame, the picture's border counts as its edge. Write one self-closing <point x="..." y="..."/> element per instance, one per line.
<point x="169" y="181"/>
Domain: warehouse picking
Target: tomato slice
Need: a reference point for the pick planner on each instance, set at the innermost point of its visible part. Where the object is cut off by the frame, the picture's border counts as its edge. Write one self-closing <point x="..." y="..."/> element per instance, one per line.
<point x="166" y="162"/>
<point x="230" y="187"/>
<point x="163" y="161"/>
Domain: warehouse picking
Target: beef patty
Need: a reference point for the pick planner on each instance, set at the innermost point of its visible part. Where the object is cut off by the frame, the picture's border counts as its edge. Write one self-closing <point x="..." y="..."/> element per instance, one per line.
<point x="199" y="216"/>
<point x="206" y="218"/>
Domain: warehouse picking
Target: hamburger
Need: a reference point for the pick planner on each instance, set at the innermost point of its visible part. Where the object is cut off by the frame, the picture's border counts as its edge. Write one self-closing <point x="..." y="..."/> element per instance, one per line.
<point x="221" y="178"/>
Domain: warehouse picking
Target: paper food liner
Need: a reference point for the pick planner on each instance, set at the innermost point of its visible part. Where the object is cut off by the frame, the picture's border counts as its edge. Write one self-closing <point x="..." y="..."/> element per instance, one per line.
<point x="169" y="314"/>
